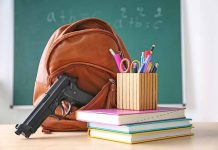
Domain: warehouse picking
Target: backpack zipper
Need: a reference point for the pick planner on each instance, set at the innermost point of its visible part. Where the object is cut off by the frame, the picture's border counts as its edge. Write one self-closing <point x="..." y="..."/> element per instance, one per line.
<point x="112" y="81"/>
<point x="68" y="66"/>
<point x="68" y="35"/>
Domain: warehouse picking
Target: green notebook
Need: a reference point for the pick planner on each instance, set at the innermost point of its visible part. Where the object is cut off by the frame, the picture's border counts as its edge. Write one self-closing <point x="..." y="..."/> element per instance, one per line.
<point x="142" y="127"/>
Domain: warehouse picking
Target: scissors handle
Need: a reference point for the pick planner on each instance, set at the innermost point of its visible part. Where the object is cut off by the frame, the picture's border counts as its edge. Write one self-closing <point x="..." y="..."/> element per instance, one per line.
<point x="122" y="68"/>
<point x="134" y="62"/>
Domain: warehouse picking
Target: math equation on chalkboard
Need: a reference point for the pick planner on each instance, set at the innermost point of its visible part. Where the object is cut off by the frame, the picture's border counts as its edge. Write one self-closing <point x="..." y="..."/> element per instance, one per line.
<point x="137" y="18"/>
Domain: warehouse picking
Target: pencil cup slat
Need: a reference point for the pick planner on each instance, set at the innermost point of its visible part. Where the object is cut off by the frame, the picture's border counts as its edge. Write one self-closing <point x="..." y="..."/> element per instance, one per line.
<point x="137" y="91"/>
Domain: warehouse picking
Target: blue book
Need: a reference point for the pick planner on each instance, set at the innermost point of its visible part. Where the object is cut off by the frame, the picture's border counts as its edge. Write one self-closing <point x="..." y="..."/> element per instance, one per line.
<point x="143" y="127"/>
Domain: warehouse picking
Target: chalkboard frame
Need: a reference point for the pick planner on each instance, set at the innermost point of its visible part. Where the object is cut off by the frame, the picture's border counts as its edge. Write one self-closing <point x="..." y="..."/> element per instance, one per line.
<point x="183" y="101"/>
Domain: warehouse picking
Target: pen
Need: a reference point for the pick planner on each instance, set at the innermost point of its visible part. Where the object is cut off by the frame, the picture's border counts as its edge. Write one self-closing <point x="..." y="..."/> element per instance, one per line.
<point x="116" y="58"/>
<point x="149" y="67"/>
<point x="135" y="65"/>
<point x="134" y="68"/>
<point x="142" y="58"/>
<point x="152" y="47"/>
<point x="145" y="64"/>
<point x="154" y="69"/>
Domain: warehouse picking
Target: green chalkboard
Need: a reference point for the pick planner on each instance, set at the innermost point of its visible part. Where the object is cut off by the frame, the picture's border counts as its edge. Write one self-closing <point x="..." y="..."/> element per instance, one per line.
<point x="138" y="22"/>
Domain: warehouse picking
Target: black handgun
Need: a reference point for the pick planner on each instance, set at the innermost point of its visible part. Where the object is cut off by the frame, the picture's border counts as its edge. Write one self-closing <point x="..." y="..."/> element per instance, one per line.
<point x="63" y="90"/>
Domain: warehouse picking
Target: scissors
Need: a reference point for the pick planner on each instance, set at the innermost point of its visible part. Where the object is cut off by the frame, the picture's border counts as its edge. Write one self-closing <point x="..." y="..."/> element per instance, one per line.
<point x="126" y="66"/>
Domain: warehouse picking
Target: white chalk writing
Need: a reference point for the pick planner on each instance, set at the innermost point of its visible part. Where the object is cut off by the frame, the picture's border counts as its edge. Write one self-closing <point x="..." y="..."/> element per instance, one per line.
<point x="134" y="18"/>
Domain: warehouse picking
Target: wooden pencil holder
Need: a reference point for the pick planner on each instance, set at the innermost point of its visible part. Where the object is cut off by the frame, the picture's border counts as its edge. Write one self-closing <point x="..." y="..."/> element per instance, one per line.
<point x="137" y="91"/>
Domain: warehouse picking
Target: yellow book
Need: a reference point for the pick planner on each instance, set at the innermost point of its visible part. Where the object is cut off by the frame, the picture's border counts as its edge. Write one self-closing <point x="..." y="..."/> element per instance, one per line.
<point x="139" y="137"/>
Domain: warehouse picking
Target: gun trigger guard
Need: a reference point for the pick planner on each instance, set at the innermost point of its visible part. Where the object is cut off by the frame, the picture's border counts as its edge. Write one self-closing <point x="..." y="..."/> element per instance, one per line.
<point x="57" y="117"/>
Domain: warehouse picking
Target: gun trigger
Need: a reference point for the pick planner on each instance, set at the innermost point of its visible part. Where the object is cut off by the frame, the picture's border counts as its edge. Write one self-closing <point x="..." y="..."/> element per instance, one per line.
<point x="62" y="110"/>
<point x="65" y="108"/>
<point x="69" y="109"/>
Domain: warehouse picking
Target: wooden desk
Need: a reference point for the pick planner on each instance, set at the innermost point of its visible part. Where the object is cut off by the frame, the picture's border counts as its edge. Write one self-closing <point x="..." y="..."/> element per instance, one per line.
<point x="205" y="138"/>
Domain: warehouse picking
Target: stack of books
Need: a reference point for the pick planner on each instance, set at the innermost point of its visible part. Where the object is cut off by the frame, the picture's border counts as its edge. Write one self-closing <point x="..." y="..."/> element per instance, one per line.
<point x="136" y="126"/>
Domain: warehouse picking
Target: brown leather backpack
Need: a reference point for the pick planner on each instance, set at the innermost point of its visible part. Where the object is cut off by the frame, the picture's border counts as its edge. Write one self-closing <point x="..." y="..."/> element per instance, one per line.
<point x="81" y="50"/>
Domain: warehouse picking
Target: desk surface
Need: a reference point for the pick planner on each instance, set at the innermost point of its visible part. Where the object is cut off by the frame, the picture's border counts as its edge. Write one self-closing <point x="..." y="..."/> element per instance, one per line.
<point x="205" y="138"/>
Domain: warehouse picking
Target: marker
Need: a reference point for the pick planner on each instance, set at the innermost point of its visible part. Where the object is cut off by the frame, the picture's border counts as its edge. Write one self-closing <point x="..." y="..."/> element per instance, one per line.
<point x="145" y="64"/>
<point x="154" y="69"/>
<point x="116" y="58"/>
